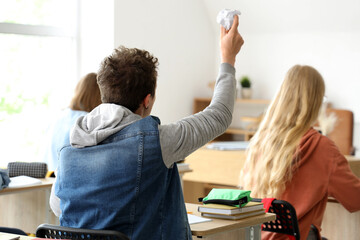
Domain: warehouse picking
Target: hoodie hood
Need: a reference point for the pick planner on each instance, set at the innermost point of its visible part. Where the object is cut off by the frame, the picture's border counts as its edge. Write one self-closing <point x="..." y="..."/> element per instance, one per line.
<point x="102" y="122"/>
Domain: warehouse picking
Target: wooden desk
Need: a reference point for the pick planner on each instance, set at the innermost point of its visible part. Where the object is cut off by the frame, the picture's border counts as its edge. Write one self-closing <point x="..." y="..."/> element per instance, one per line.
<point x="46" y="183"/>
<point x="354" y="163"/>
<point x="228" y="229"/>
<point x="214" y="168"/>
<point x="223" y="167"/>
<point x="27" y="207"/>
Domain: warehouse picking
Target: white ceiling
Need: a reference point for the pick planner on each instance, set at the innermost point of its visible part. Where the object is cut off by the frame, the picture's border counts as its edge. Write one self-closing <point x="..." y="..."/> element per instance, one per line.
<point x="291" y="15"/>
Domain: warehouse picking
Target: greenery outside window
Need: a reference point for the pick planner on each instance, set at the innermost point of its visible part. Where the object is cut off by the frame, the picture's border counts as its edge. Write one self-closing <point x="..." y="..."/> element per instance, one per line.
<point x="38" y="65"/>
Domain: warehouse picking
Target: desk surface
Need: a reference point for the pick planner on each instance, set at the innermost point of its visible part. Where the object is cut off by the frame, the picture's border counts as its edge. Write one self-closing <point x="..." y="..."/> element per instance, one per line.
<point x="45" y="183"/>
<point x="215" y="166"/>
<point x="220" y="225"/>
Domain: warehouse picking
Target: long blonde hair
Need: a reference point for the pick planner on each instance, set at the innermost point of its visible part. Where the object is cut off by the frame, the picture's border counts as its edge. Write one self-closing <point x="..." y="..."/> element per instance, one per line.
<point x="272" y="154"/>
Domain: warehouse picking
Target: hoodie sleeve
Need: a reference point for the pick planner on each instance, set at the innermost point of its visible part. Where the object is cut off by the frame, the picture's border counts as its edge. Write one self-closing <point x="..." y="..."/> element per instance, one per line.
<point x="181" y="138"/>
<point x="54" y="201"/>
<point x="344" y="186"/>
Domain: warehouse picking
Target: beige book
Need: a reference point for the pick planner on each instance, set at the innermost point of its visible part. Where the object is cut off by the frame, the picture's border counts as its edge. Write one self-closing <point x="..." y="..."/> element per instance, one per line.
<point x="235" y="216"/>
<point x="230" y="210"/>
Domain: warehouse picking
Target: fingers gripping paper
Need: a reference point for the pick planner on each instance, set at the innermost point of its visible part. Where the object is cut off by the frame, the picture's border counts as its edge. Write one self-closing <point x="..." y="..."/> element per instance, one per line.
<point x="225" y="17"/>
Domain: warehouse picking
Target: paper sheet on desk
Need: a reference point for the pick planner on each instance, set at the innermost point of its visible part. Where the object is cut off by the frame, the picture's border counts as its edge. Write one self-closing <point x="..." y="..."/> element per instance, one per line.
<point x="23" y="181"/>
<point x="196" y="219"/>
<point x="229" y="145"/>
<point x="10" y="236"/>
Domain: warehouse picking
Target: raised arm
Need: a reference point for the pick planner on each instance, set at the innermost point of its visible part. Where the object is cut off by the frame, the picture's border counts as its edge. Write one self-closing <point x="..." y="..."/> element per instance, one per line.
<point x="183" y="137"/>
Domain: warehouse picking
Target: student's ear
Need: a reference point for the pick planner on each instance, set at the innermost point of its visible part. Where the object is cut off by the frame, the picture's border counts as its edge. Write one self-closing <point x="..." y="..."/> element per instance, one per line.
<point x="146" y="101"/>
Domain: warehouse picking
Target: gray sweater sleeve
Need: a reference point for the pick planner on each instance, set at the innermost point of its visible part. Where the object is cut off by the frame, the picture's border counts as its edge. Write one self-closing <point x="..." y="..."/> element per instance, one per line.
<point x="183" y="137"/>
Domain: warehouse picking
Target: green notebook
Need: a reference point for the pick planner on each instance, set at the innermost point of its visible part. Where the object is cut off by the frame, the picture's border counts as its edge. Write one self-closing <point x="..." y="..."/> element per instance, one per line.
<point x="232" y="197"/>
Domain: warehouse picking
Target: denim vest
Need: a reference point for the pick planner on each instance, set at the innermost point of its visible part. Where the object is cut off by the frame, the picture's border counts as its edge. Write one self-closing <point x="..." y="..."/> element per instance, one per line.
<point x="122" y="184"/>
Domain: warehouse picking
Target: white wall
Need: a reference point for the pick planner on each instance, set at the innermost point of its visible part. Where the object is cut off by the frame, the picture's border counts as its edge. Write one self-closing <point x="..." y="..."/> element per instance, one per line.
<point x="181" y="36"/>
<point x="96" y="33"/>
<point x="278" y="34"/>
<point x="281" y="33"/>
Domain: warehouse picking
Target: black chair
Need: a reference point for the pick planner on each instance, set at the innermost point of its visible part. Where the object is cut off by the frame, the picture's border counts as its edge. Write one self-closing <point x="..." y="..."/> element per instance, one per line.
<point x="12" y="230"/>
<point x="286" y="219"/>
<point x="60" y="232"/>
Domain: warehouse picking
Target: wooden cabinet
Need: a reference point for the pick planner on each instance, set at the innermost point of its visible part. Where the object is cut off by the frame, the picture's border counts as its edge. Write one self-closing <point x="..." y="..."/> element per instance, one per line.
<point x="240" y="128"/>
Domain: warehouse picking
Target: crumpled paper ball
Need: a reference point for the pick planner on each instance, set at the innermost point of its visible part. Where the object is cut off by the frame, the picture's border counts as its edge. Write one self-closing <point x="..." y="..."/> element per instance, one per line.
<point x="226" y="16"/>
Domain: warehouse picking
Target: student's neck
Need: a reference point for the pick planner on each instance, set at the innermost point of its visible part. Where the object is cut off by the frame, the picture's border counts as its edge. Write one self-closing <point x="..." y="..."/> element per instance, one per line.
<point x="141" y="112"/>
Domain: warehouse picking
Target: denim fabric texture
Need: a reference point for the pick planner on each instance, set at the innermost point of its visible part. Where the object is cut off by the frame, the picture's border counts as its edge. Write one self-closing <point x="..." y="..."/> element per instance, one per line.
<point x="58" y="135"/>
<point x="4" y="178"/>
<point x="122" y="184"/>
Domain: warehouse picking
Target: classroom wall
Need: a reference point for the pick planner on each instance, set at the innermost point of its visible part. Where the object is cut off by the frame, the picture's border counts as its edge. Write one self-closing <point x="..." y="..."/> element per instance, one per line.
<point x="279" y="34"/>
<point x="180" y="35"/>
<point x="96" y="33"/>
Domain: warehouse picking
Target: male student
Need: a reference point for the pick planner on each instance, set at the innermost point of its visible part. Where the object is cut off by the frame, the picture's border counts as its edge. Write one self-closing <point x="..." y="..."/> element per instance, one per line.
<point x="119" y="171"/>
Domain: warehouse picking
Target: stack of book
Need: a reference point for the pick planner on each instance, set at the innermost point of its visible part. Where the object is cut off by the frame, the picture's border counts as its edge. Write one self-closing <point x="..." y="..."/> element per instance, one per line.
<point x="231" y="212"/>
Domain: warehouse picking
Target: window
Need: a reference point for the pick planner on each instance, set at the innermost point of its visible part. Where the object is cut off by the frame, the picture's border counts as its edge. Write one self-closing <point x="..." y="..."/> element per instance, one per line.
<point x="38" y="65"/>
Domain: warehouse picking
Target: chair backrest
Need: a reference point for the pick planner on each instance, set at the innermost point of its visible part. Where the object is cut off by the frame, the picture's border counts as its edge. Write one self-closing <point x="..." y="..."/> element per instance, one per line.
<point x="12" y="230"/>
<point x="286" y="219"/>
<point x="342" y="134"/>
<point x="60" y="232"/>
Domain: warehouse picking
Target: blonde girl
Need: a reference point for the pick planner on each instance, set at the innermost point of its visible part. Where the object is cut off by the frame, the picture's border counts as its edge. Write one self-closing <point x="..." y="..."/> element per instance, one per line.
<point x="272" y="152"/>
<point x="287" y="159"/>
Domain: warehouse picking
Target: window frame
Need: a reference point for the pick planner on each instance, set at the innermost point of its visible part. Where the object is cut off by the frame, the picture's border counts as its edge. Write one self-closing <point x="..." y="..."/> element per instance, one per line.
<point x="50" y="31"/>
<point x="72" y="33"/>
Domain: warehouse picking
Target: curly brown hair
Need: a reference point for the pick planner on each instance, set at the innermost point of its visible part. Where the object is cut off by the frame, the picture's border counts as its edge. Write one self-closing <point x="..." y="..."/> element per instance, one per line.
<point x="127" y="76"/>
